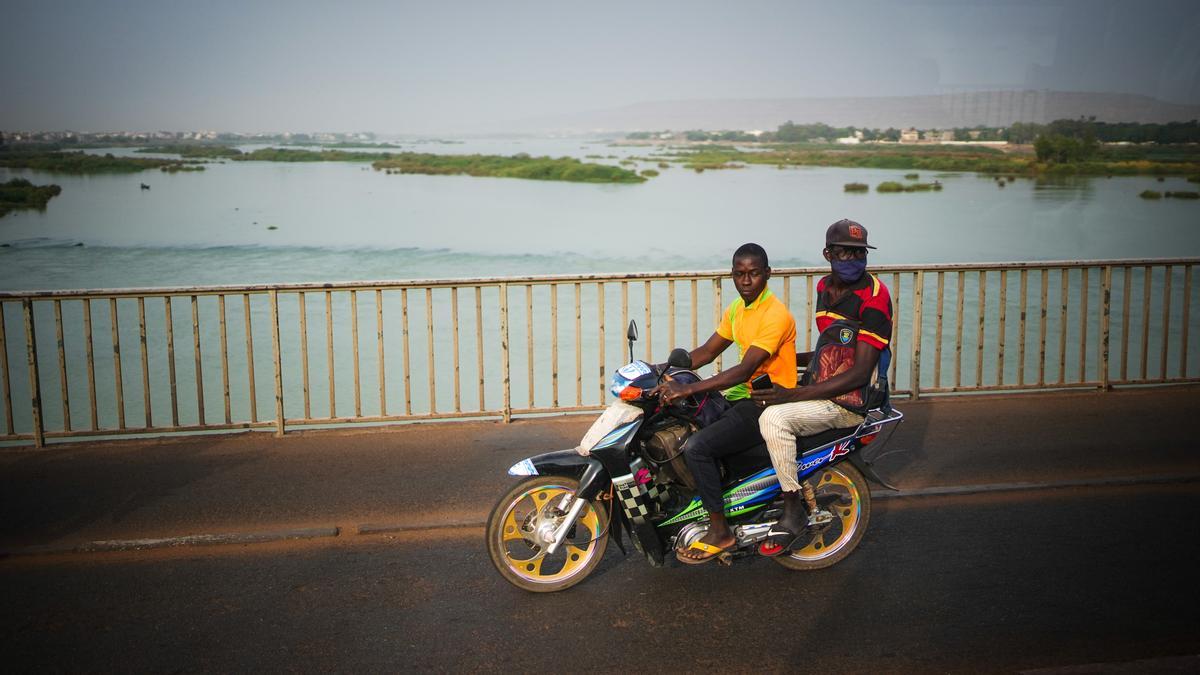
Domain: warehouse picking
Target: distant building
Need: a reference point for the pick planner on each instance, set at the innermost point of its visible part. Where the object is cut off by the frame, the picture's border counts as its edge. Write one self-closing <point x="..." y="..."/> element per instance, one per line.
<point x="849" y="140"/>
<point x="910" y="135"/>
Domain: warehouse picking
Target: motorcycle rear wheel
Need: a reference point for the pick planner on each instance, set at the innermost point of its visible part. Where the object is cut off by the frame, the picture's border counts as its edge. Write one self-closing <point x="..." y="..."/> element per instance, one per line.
<point x="841" y="490"/>
<point x="518" y="532"/>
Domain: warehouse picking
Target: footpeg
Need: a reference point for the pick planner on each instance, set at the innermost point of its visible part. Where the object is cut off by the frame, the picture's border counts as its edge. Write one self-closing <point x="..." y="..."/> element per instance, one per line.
<point x="820" y="518"/>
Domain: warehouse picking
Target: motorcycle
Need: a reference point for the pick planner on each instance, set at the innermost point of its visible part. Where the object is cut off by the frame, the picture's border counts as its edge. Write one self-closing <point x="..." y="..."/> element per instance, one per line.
<point x="550" y="531"/>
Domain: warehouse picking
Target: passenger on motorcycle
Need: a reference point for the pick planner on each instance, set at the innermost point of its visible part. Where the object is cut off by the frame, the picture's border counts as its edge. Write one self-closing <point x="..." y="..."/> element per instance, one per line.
<point x="848" y="293"/>
<point x="765" y="333"/>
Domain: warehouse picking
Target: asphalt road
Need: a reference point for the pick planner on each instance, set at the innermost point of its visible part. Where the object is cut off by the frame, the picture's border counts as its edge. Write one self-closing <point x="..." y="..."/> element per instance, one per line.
<point x="992" y="582"/>
<point x="434" y="474"/>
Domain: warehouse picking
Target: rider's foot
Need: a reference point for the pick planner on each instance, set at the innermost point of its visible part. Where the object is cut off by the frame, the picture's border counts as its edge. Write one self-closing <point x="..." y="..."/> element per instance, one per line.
<point x="791" y="523"/>
<point x="718" y="535"/>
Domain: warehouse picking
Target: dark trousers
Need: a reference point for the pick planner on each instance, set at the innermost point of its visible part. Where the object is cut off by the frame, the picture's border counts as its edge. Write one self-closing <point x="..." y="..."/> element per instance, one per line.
<point x="735" y="431"/>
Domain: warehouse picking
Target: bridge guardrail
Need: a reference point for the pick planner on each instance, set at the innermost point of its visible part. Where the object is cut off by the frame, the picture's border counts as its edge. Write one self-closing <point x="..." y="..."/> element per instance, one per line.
<point x="504" y="347"/>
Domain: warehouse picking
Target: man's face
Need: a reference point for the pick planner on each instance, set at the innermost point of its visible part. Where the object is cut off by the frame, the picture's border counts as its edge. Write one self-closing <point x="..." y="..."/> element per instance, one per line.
<point x="750" y="277"/>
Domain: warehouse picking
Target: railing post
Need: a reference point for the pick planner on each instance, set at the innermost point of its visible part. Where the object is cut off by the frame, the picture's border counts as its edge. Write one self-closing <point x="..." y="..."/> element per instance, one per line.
<point x="35" y="389"/>
<point x="1105" y="318"/>
<point x="504" y="353"/>
<point x="274" y="295"/>
<point x="915" y="375"/>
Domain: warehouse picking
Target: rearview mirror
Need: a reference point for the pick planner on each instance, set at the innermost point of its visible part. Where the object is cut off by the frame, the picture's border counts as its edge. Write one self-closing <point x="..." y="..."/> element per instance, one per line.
<point x="631" y="333"/>
<point x="680" y="358"/>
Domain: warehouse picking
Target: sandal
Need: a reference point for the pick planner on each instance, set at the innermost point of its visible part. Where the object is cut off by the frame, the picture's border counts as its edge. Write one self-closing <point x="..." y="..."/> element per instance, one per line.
<point x="711" y="553"/>
<point x="780" y="538"/>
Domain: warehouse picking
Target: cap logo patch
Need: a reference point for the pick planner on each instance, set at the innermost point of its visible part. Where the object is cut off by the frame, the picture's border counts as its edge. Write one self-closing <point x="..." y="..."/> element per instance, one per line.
<point x="856" y="232"/>
<point x="845" y="335"/>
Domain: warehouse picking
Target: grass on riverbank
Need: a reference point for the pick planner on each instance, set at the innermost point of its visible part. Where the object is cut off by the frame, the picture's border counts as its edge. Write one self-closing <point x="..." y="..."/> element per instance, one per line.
<point x="82" y="163"/>
<point x="1122" y="161"/>
<point x="19" y="193"/>
<point x="193" y="151"/>
<point x="518" y="166"/>
<point x="303" y="155"/>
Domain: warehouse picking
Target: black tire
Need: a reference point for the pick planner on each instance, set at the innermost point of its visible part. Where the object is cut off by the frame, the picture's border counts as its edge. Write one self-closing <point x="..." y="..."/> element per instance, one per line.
<point x="516" y="542"/>
<point x="843" y="490"/>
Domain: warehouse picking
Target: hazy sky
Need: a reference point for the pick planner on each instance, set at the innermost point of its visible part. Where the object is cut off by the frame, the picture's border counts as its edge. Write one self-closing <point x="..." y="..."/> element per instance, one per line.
<point x="449" y="65"/>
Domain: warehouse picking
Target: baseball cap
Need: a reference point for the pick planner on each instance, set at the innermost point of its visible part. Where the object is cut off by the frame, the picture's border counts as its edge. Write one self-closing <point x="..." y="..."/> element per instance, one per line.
<point x="846" y="232"/>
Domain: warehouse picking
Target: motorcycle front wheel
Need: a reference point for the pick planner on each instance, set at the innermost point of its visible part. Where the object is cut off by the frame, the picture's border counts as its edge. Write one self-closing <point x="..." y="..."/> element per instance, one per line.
<point x="841" y="490"/>
<point x="521" y="526"/>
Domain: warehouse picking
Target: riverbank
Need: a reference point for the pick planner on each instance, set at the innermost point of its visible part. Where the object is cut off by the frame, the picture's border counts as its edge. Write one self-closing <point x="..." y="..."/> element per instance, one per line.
<point x="84" y="163"/>
<point x="1013" y="160"/>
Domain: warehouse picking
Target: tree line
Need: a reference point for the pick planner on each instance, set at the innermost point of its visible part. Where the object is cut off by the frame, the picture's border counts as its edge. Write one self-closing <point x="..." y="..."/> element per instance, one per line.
<point x="1169" y="133"/>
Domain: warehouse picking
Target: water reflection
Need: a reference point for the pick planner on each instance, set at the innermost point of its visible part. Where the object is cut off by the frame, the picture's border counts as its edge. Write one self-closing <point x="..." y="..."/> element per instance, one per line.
<point x="1063" y="188"/>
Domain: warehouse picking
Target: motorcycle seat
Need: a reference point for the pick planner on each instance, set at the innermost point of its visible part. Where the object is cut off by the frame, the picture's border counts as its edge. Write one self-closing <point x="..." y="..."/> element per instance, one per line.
<point x="807" y="443"/>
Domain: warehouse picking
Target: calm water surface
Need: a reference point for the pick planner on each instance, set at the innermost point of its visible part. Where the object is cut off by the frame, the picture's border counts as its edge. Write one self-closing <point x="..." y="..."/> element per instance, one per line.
<point x="342" y="221"/>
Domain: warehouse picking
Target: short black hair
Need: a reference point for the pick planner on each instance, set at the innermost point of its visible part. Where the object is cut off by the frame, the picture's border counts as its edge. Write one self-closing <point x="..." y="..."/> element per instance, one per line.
<point x="752" y="251"/>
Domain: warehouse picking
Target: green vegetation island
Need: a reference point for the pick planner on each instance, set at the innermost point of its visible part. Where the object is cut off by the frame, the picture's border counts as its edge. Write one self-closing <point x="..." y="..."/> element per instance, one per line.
<point x="518" y="166"/>
<point x="1181" y="194"/>
<point x="1079" y="147"/>
<point x="1095" y="162"/>
<point x="82" y="163"/>
<point x="19" y="193"/>
<point x="894" y="186"/>
<point x="192" y="151"/>
<point x="498" y="166"/>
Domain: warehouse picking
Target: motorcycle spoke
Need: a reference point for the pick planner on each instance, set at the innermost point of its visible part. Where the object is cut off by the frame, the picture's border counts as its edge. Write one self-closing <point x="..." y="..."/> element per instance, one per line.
<point x="511" y="529"/>
<point x="590" y="522"/>
<point x="532" y="567"/>
<point x="814" y="545"/>
<point x="575" y="557"/>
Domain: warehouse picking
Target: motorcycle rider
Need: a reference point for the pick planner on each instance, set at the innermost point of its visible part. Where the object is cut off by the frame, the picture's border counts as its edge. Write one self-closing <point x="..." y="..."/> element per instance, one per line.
<point x="848" y="292"/>
<point x="765" y="333"/>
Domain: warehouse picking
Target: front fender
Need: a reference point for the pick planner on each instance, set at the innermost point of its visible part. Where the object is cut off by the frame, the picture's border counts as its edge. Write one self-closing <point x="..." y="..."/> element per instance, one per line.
<point x="590" y="473"/>
<point x="558" y="463"/>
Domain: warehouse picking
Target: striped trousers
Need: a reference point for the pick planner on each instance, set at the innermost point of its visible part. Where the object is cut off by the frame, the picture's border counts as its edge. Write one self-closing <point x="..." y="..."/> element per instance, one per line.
<point x="781" y="424"/>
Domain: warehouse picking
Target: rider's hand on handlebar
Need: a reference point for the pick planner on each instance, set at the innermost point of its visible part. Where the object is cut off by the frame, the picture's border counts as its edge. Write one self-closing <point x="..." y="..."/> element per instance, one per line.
<point x="671" y="391"/>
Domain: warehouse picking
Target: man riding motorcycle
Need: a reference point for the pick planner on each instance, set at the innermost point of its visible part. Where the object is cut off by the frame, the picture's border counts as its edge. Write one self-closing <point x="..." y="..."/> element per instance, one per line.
<point x="765" y="333"/>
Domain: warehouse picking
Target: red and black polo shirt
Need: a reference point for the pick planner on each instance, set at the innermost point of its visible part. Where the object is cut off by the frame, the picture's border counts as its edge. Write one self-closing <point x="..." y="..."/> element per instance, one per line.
<point x="867" y="301"/>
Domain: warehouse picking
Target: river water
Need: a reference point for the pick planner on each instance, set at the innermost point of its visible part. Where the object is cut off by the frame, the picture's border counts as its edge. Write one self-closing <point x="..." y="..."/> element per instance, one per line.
<point x="345" y="221"/>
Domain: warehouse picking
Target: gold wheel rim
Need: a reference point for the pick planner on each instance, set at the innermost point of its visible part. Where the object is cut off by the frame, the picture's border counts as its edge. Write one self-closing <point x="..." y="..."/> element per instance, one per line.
<point x="524" y="526"/>
<point x="846" y="510"/>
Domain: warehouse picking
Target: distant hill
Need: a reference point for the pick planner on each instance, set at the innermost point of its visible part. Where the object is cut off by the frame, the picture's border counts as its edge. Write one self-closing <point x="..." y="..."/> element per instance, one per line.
<point x="959" y="109"/>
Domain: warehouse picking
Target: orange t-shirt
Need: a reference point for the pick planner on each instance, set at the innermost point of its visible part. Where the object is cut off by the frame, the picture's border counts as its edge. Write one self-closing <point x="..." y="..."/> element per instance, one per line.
<point x="767" y="324"/>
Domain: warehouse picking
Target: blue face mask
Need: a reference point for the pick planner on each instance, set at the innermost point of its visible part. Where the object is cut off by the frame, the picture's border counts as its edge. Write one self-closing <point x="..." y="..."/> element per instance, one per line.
<point x="849" y="271"/>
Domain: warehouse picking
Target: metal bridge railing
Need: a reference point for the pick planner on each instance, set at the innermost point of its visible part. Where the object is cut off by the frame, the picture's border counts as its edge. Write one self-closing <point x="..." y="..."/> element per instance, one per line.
<point x="88" y="363"/>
